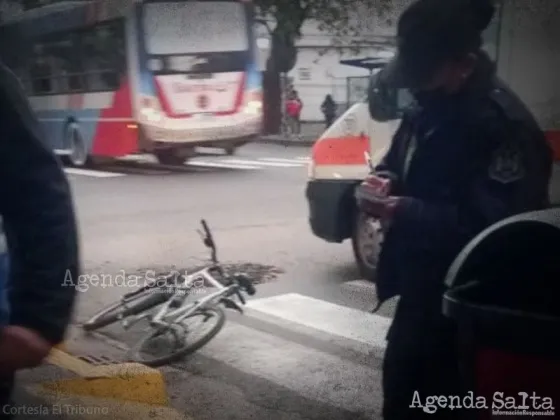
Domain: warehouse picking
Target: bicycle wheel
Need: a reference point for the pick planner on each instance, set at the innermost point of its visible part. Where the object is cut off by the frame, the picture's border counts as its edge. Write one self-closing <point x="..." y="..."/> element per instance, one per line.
<point x="113" y="313"/>
<point x="181" y="336"/>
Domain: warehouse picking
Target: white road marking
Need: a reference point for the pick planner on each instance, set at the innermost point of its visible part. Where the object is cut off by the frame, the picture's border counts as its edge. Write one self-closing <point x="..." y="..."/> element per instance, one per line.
<point x="219" y="163"/>
<point x="139" y="158"/>
<point x="209" y="164"/>
<point x="359" y="284"/>
<point x="274" y="164"/>
<point x="95" y="174"/>
<point x="311" y="373"/>
<point x="294" y="162"/>
<point x="328" y="317"/>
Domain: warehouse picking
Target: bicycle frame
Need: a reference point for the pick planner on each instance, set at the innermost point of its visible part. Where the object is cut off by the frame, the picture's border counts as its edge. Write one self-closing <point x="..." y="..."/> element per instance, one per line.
<point x="184" y="311"/>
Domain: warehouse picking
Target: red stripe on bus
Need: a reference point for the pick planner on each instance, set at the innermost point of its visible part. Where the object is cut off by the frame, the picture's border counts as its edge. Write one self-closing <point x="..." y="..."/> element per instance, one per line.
<point x="116" y="138"/>
<point x="166" y="106"/>
<point x="347" y="150"/>
<point x="238" y="98"/>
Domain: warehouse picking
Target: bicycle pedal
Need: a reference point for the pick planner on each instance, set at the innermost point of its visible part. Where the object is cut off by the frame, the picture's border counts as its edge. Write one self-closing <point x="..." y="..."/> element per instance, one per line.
<point x="230" y="304"/>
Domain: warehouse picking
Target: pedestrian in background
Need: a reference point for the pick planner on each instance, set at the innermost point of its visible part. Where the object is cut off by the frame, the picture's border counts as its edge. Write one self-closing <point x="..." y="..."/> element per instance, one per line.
<point x="467" y="155"/>
<point x="41" y="237"/>
<point x="328" y="108"/>
<point x="294" y="106"/>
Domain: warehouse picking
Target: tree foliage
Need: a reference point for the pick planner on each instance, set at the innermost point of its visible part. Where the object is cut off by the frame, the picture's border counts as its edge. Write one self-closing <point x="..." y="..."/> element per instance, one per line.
<point x="344" y="19"/>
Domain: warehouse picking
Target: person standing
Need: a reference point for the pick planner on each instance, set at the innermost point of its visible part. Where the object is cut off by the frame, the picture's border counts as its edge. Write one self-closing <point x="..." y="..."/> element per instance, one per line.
<point x="293" y="112"/>
<point x="466" y="155"/>
<point x="41" y="236"/>
<point x="328" y="108"/>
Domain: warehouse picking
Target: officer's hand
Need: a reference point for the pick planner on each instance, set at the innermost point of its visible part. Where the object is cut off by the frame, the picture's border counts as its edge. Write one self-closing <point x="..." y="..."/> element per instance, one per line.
<point x="386" y="211"/>
<point x="21" y="348"/>
<point x="370" y="191"/>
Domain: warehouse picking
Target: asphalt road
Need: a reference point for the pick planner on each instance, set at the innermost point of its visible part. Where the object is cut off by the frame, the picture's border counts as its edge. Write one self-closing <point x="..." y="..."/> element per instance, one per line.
<point x="306" y="348"/>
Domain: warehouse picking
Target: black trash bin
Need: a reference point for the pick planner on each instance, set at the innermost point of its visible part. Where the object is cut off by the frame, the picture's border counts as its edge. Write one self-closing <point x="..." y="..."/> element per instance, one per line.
<point x="504" y="297"/>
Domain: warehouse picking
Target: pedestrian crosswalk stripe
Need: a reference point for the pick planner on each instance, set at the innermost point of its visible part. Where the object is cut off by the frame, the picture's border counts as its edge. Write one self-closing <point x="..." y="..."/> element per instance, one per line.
<point x="311" y="373"/>
<point x="265" y="163"/>
<point x="294" y="162"/>
<point x="362" y="284"/>
<point x="95" y="174"/>
<point x="218" y="163"/>
<point x="208" y="164"/>
<point x="311" y="353"/>
<point x="327" y="317"/>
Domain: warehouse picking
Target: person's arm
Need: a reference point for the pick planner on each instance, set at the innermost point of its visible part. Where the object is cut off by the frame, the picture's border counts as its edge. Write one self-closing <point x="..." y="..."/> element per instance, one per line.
<point x="390" y="165"/>
<point x="37" y="210"/>
<point x="511" y="176"/>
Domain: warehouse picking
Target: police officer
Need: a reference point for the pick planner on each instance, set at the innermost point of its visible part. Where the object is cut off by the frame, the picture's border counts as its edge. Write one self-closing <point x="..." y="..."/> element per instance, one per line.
<point x="467" y="154"/>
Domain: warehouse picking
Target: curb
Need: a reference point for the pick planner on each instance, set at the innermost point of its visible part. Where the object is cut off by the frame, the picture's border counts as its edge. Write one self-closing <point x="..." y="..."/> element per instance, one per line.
<point x="116" y="391"/>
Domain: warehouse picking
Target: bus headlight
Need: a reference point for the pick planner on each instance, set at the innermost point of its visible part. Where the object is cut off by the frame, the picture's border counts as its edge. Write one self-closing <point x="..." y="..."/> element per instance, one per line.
<point x="253" y="107"/>
<point x="151" y="115"/>
<point x="150" y="111"/>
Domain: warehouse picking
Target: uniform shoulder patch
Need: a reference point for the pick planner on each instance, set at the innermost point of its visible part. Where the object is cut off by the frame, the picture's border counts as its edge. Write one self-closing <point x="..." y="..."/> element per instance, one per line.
<point x="507" y="164"/>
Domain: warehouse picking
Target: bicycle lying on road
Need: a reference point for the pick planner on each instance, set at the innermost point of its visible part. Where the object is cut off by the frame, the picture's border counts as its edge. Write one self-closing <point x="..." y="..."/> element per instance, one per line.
<point x="171" y="293"/>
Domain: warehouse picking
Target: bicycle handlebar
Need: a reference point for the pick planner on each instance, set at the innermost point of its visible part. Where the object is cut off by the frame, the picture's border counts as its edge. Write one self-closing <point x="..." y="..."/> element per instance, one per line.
<point x="206" y="229"/>
<point x="209" y="240"/>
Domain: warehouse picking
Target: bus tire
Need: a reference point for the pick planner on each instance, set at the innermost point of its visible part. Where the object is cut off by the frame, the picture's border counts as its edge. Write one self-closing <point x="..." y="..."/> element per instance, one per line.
<point x="230" y="150"/>
<point x="366" y="244"/>
<point x="79" y="156"/>
<point x="170" y="157"/>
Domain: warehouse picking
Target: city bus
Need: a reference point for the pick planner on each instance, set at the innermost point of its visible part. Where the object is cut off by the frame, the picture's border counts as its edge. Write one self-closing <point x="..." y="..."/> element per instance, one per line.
<point x="112" y="78"/>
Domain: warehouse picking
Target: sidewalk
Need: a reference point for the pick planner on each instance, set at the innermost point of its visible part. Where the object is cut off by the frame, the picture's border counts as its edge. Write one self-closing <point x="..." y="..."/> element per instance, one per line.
<point x="310" y="132"/>
<point x="67" y="387"/>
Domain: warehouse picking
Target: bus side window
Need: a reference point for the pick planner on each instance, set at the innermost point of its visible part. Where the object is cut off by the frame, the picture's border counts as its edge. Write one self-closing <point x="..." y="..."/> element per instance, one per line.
<point x="104" y="56"/>
<point x="41" y="71"/>
<point x="67" y="67"/>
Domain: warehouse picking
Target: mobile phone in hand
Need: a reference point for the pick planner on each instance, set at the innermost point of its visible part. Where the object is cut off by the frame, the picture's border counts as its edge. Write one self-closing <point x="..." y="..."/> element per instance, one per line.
<point x="373" y="188"/>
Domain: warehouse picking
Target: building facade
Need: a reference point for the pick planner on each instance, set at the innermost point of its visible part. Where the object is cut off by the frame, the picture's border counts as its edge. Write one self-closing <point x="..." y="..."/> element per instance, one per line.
<point x="318" y="70"/>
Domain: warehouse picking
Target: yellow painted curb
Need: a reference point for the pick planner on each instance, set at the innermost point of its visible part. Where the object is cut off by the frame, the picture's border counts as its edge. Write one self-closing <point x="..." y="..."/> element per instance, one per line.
<point x="61" y="347"/>
<point x="90" y="408"/>
<point x="124" y="382"/>
<point x="146" y="388"/>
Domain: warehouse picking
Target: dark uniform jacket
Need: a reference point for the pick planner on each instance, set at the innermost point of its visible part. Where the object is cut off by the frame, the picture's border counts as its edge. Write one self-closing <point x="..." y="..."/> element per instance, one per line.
<point x="38" y="216"/>
<point x="476" y="158"/>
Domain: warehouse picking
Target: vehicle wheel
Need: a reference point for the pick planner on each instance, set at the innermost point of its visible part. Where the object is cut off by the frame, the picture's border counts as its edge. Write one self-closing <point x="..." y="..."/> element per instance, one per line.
<point x="117" y="311"/>
<point x="366" y="243"/>
<point x="170" y="157"/>
<point x="230" y="151"/>
<point x="78" y="156"/>
<point x="180" y="334"/>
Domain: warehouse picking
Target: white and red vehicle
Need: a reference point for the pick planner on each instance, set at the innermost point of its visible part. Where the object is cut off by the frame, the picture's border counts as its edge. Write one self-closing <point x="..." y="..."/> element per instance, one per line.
<point x="111" y="78"/>
<point x="523" y="39"/>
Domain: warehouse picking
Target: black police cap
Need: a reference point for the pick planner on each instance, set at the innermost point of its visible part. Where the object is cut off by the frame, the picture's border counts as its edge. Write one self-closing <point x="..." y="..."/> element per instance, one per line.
<point x="430" y="32"/>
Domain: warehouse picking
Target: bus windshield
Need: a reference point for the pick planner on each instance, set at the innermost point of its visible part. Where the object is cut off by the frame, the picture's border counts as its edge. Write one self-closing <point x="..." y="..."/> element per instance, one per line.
<point x="173" y="28"/>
